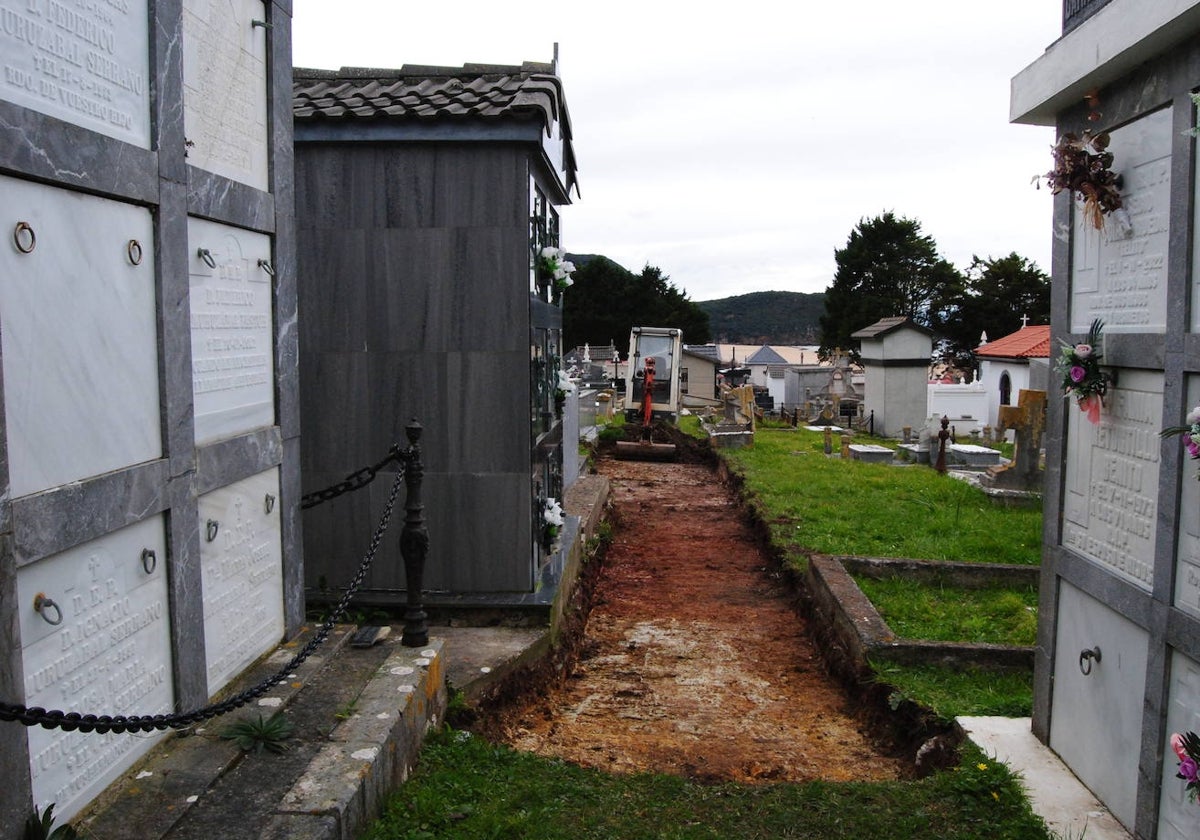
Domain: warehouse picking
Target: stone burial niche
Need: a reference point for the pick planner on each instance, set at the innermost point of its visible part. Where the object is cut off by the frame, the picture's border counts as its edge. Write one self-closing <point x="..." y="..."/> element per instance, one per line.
<point x="149" y="547"/>
<point x="1118" y="656"/>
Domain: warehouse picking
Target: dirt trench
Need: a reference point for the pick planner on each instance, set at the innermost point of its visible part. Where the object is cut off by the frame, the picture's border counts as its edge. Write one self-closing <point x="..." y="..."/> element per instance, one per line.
<point x="694" y="660"/>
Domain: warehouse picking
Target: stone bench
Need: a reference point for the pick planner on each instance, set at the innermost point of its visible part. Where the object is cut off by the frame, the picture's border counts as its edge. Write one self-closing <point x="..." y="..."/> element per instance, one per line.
<point x="871" y="454"/>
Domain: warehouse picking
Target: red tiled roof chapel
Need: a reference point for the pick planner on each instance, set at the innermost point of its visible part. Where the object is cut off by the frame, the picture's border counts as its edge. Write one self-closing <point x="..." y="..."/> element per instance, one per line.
<point x="1026" y="343"/>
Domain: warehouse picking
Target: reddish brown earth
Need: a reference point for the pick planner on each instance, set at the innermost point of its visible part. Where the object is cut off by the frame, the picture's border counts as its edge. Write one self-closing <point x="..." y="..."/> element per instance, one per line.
<point x="694" y="661"/>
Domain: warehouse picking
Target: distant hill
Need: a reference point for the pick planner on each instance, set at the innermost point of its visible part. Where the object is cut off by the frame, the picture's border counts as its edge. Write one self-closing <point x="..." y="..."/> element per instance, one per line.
<point x="766" y="318"/>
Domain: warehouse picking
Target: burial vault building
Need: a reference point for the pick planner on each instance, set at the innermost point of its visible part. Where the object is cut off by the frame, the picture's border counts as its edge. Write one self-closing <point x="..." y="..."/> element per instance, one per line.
<point x="425" y="198"/>
<point x="1118" y="653"/>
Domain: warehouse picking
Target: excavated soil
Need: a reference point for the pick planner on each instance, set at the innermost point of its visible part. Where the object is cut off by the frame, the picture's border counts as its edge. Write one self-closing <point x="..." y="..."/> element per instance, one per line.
<point x="693" y="661"/>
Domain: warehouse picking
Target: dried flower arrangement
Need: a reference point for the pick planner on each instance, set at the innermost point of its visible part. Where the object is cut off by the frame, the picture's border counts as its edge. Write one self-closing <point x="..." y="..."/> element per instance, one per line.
<point x="1083" y="166"/>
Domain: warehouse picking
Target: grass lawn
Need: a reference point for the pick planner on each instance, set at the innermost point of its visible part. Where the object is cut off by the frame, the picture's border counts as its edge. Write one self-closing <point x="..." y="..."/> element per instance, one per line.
<point x="466" y="788"/>
<point x="915" y="610"/>
<point x="833" y="506"/>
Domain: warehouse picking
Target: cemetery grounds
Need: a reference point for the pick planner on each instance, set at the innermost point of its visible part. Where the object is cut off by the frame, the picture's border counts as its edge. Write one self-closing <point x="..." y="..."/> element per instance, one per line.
<point x="550" y="764"/>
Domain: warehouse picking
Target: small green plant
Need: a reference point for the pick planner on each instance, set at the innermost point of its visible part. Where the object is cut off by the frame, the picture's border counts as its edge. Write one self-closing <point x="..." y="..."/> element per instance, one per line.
<point x="261" y="734"/>
<point x="40" y="826"/>
<point x="347" y="711"/>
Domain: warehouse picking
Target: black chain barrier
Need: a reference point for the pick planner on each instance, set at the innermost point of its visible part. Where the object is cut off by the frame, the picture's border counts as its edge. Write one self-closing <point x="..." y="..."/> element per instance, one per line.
<point x="354" y="481"/>
<point x="101" y="724"/>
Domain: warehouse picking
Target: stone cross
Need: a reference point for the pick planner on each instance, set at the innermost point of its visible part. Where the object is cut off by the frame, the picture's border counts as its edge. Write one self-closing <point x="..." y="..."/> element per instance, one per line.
<point x="1028" y="419"/>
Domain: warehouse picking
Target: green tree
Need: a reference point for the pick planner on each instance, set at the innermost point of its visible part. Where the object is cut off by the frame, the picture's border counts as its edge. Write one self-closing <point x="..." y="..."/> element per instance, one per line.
<point x="998" y="293"/>
<point x="606" y="301"/>
<point x="888" y="268"/>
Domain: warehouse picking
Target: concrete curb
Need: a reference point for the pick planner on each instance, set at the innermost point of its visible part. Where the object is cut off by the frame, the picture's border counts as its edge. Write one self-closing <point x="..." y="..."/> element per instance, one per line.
<point x="370" y="754"/>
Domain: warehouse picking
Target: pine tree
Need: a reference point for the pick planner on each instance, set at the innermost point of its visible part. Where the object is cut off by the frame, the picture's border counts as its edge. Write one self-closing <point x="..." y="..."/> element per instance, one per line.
<point x="888" y="268"/>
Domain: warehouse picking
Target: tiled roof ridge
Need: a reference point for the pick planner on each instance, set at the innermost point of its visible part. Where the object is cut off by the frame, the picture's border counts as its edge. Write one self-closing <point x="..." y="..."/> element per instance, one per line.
<point x="1032" y="341"/>
<point x="412" y="91"/>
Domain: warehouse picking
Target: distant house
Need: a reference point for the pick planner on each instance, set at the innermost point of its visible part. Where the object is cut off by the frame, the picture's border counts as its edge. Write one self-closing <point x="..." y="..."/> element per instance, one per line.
<point x="698" y="378"/>
<point x="1006" y="365"/>
<point x="767" y="367"/>
<point x="895" y="354"/>
<point x="424" y="198"/>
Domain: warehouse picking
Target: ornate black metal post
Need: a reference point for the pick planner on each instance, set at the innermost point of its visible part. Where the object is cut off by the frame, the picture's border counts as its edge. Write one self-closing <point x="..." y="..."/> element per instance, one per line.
<point x="414" y="541"/>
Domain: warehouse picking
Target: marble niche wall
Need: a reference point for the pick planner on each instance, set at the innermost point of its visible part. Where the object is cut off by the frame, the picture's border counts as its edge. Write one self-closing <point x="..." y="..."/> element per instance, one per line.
<point x="149" y="482"/>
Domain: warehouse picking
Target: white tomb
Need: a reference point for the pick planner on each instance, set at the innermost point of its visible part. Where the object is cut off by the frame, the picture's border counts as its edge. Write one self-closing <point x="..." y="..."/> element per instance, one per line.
<point x="233" y="368"/>
<point x="84" y="63"/>
<point x="79" y="333"/>
<point x="241" y="575"/>
<point x="225" y="88"/>
<point x="109" y="651"/>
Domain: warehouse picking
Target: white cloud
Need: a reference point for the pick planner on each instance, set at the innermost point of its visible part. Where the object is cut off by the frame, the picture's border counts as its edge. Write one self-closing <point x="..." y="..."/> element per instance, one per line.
<point x="737" y="147"/>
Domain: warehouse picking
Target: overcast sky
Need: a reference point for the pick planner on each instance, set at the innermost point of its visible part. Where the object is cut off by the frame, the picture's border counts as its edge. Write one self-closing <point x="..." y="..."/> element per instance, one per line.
<point x="737" y="147"/>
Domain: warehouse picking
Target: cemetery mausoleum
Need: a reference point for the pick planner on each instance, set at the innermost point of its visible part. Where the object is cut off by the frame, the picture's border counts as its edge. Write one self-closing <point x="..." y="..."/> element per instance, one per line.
<point x="149" y="455"/>
<point x="1118" y="655"/>
<point x="425" y="199"/>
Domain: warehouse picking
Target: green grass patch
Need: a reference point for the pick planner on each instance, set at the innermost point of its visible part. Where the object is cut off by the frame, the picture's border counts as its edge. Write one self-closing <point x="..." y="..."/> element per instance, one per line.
<point x="993" y="615"/>
<point x="689" y="424"/>
<point x="849" y="507"/>
<point x="465" y="788"/>
<point x="961" y="691"/>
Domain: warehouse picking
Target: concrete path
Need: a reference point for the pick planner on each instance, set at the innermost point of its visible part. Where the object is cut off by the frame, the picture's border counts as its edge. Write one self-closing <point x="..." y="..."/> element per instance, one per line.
<point x="1069" y="808"/>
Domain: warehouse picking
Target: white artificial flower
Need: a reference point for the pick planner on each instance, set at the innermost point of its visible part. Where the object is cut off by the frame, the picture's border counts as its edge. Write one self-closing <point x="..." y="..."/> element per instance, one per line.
<point x="564" y="382"/>
<point x="553" y="512"/>
<point x="1193" y="416"/>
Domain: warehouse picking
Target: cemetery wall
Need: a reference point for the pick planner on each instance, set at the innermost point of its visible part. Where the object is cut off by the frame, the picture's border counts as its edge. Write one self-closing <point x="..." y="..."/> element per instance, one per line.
<point x="146" y="390"/>
<point x="1121" y="503"/>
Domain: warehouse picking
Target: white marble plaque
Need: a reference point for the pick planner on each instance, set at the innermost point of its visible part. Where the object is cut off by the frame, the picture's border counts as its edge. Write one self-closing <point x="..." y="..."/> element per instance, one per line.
<point x="1187" y="557"/>
<point x="1111" y="501"/>
<point x="233" y="348"/>
<point x="241" y="568"/>
<point x="78" y="327"/>
<point x="1120" y="274"/>
<point x="82" y="61"/>
<point x="1176" y="815"/>
<point x="225" y="88"/>
<point x="110" y="655"/>
<point x="1096" y="719"/>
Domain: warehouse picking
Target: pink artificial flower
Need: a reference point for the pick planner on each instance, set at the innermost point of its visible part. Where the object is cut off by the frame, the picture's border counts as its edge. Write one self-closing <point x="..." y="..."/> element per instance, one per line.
<point x="1077" y="373"/>
<point x="1187" y="769"/>
<point x="1083" y="351"/>
<point x="1192" y="447"/>
<point x="1177" y="746"/>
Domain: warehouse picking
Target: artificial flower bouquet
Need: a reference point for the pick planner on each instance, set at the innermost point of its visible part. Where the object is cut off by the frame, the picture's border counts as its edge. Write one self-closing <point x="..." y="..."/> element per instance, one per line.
<point x="1190" y="432"/>
<point x="556" y="269"/>
<point x="1082" y="378"/>
<point x="1187" y="750"/>
<point x="552" y="522"/>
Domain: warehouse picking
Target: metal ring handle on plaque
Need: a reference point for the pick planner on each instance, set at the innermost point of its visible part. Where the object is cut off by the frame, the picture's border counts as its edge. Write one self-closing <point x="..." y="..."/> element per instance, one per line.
<point x="42" y="604"/>
<point x="149" y="560"/>
<point x="24" y="237"/>
<point x="1086" y="658"/>
<point x="269" y="504"/>
<point x="133" y="249"/>
<point x="210" y="529"/>
<point x="266" y="266"/>
<point x="207" y="257"/>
